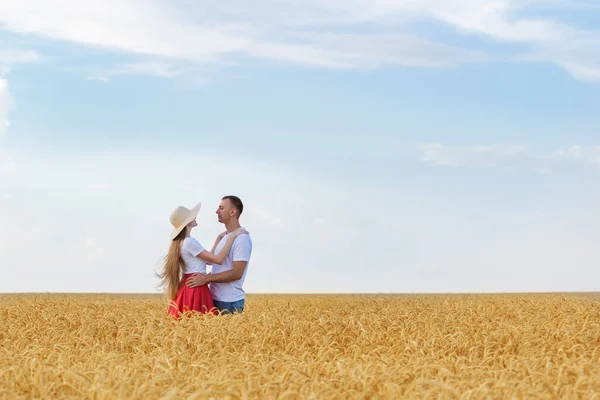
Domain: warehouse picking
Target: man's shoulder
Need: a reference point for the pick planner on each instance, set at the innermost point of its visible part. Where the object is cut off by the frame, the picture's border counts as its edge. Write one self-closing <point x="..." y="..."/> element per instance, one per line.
<point x="244" y="238"/>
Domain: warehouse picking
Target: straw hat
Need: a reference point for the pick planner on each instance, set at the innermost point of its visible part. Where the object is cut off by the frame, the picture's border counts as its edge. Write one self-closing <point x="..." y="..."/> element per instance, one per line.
<point x="181" y="217"/>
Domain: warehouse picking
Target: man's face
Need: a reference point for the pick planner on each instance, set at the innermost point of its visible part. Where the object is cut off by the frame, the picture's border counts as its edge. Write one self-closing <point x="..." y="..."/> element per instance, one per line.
<point x="225" y="211"/>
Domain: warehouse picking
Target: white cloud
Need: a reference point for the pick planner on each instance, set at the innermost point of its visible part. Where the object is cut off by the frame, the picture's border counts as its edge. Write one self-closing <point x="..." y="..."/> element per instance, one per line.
<point x="96" y="186"/>
<point x="336" y="50"/>
<point x="506" y="156"/>
<point x="542" y="171"/>
<point x="159" y="69"/>
<point x="135" y="26"/>
<point x="549" y="40"/>
<point x="5" y="104"/>
<point x="93" y="249"/>
<point x="314" y="33"/>
<point x="103" y="78"/>
<point x="584" y="154"/>
<point x="7" y="163"/>
<point x="438" y="154"/>
<point x="267" y="216"/>
<point x="10" y="56"/>
<point x="156" y="68"/>
<point x="582" y="72"/>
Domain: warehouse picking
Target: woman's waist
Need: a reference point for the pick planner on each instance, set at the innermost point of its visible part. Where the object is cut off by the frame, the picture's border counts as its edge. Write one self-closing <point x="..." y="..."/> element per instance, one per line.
<point x="190" y="273"/>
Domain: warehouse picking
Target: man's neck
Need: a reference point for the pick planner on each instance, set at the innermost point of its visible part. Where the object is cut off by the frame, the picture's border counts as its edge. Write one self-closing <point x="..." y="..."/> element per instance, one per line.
<point x="232" y="226"/>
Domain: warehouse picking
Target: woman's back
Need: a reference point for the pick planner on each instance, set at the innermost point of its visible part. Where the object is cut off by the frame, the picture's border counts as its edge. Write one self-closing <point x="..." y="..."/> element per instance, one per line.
<point x="190" y="248"/>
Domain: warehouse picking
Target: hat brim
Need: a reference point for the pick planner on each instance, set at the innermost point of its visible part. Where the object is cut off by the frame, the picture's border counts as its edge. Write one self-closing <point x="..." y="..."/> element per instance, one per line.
<point x="191" y="216"/>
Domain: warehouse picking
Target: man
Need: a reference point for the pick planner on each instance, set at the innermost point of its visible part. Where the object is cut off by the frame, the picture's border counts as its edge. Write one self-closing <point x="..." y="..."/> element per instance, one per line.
<point x="226" y="280"/>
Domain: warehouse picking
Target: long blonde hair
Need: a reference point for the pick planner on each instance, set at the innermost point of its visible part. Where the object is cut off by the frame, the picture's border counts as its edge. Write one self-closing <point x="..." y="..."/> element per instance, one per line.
<point x="173" y="265"/>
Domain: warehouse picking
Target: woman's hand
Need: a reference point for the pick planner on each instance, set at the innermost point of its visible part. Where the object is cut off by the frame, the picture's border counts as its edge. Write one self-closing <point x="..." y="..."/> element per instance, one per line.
<point x="239" y="232"/>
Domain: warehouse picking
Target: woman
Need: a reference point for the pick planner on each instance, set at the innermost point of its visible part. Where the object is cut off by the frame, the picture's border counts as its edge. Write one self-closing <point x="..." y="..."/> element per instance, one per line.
<point x="186" y="256"/>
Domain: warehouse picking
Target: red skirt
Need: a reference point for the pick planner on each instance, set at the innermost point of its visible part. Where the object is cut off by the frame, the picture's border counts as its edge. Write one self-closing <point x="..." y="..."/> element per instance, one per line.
<point x="191" y="300"/>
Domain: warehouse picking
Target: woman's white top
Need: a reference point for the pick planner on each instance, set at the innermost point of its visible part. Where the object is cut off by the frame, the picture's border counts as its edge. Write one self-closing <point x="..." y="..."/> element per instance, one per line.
<point x="190" y="248"/>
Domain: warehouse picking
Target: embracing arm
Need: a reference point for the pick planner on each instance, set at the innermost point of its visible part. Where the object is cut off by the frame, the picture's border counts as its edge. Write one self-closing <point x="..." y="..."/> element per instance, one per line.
<point x="219" y="258"/>
<point x="240" y="256"/>
<point x="217" y="240"/>
<point x="223" y="277"/>
<point x="234" y="274"/>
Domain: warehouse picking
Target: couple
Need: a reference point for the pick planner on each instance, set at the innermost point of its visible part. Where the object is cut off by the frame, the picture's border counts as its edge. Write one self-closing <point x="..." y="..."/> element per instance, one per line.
<point x="184" y="268"/>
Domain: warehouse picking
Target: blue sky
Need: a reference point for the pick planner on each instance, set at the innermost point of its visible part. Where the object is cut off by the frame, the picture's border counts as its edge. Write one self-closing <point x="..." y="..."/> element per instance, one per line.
<point x="395" y="146"/>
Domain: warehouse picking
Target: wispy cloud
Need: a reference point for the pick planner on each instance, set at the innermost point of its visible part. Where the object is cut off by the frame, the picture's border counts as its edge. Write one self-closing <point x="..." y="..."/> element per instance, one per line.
<point x="584" y="154"/>
<point x="5" y="103"/>
<point x="439" y="154"/>
<point x="99" y="78"/>
<point x="93" y="248"/>
<point x="157" y="68"/>
<point x="318" y="33"/>
<point x="11" y="56"/>
<point x="167" y="31"/>
<point x="160" y="69"/>
<point x="96" y="186"/>
<point x="340" y="50"/>
<point x="7" y="164"/>
<point x="506" y="156"/>
<point x="582" y="72"/>
<point x="267" y="216"/>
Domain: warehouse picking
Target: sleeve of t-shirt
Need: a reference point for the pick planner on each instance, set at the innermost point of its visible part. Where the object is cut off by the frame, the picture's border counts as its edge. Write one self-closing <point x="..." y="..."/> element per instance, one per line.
<point x="241" y="249"/>
<point x="193" y="247"/>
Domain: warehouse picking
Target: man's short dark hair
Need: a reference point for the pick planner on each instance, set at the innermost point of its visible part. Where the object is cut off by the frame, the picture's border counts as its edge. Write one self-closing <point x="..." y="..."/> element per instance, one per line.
<point x="236" y="202"/>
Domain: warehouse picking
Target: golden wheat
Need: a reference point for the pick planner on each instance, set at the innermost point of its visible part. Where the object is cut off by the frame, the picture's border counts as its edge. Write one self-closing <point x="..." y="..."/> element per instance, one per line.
<point x="299" y="346"/>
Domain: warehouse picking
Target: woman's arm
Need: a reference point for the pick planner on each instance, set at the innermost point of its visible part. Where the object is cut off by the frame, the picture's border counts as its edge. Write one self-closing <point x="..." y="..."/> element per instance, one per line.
<point x="219" y="258"/>
<point x="217" y="241"/>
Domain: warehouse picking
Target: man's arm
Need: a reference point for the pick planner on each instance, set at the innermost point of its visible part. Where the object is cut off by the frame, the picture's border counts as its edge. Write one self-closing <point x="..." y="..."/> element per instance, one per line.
<point x="222" y="277"/>
<point x="219" y="258"/>
<point x="241" y="255"/>
<point x="229" y="276"/>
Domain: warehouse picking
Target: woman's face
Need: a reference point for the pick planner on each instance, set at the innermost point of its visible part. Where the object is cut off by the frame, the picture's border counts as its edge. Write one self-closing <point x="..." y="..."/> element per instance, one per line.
<point x="192" y="224"/>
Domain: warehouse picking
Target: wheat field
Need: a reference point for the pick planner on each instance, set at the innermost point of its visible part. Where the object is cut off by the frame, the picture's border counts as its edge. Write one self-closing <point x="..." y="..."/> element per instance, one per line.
<point x="543" y="346"/>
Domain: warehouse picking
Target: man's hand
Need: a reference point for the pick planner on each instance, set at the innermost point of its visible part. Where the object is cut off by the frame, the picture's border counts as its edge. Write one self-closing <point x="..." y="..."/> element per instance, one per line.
<point x="197" y="280"/>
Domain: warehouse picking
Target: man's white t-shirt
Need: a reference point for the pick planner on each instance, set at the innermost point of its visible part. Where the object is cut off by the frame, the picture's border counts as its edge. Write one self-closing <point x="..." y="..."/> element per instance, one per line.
<point x="190" y="248"/>
<point x="240" y="251"/>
